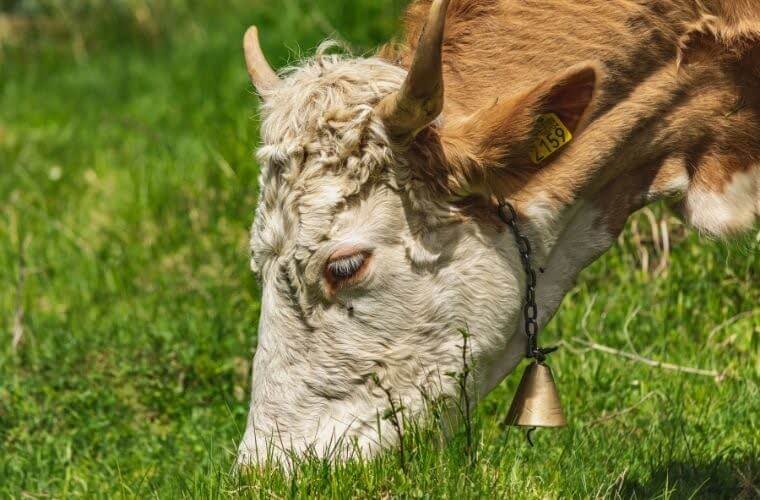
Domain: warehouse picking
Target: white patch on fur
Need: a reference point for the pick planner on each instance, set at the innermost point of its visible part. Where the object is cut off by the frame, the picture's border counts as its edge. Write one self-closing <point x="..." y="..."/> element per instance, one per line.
<point x="573" y="239"/>
<point x="733" y="210"/>
<point x="543" y="214"/>
<point x="583" y="239"/>
<point x="329" y="179"/>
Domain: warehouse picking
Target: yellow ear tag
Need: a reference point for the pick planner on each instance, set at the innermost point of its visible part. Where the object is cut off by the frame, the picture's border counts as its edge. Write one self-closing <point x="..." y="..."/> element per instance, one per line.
<point x="552" y="136"/>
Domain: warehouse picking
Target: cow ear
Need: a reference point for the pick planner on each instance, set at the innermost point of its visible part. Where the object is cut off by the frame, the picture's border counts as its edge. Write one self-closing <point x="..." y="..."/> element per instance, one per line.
<point x="569" y="95"/>
<point x="508" y="132"/>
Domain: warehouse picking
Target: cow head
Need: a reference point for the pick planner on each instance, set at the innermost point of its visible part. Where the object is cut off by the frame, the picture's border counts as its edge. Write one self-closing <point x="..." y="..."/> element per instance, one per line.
<point x="376" y="243"/>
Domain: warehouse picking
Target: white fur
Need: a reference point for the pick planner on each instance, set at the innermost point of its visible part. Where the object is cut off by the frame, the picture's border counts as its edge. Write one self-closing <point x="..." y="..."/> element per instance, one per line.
<point x="571" y="239"/>
<point x="329" y="181"/>
<point x="729" y="211"/>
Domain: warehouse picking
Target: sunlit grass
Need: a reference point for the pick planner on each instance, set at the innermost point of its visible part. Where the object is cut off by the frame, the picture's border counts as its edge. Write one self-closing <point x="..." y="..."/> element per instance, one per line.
<point x="128" y="184"/>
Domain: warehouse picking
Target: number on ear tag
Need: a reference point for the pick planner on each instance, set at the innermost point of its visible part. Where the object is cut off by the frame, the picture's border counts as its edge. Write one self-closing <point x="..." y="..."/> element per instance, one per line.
<point x="552" y="136"/>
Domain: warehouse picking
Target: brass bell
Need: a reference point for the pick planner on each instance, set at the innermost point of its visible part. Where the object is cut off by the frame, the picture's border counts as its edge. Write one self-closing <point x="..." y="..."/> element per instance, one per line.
<point x="536" y="402"/>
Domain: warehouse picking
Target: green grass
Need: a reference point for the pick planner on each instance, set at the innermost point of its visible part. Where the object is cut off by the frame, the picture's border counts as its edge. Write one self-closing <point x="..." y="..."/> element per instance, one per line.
<point x="127" y="186"/>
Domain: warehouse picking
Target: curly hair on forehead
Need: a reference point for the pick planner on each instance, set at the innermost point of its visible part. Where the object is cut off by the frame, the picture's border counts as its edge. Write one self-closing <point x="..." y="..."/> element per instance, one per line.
<point x="321" y="120"/>
<point x="321" y="145"/>
<point x="326" y="90"/>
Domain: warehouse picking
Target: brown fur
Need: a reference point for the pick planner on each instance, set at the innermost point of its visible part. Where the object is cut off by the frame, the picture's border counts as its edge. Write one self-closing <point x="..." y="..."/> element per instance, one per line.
<point x="679" y="94"/>
<point x="730" y="27"/>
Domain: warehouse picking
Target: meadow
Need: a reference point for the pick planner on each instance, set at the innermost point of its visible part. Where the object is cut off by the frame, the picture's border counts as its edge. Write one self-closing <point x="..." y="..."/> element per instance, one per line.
<point x="128" y="311"/>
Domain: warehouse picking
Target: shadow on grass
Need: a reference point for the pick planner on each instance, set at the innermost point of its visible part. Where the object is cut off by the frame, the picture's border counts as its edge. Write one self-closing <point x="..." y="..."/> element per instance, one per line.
<point x="719" y="478"/>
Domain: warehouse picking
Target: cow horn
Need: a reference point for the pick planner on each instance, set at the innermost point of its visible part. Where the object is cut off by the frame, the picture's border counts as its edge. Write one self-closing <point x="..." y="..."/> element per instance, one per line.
<point x="420" y="99"/>
<point x="262" y="75"/>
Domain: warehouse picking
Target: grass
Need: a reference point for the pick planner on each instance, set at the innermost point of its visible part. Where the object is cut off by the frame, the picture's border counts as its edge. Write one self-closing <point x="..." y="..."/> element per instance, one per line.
<point x="127" y="186"/>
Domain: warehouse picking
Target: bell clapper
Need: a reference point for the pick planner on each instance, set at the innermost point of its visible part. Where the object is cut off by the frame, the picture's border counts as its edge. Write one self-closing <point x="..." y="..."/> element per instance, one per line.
<point x="527" y="435"/>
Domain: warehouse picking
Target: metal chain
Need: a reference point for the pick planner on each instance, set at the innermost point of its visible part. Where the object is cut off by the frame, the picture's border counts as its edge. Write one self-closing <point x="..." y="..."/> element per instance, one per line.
<point x="508" y="215"/>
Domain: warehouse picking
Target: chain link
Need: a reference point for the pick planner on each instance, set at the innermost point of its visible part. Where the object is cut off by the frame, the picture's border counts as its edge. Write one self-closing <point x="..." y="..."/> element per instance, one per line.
<point x="508" y="215"/>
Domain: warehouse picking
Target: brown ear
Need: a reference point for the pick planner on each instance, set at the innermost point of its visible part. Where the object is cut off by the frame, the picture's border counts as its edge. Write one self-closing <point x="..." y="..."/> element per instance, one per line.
<point x="505" y="133"/>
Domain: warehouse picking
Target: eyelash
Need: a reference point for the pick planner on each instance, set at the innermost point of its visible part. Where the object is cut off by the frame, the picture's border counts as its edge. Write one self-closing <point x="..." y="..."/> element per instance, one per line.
<point x="347" y="267"/>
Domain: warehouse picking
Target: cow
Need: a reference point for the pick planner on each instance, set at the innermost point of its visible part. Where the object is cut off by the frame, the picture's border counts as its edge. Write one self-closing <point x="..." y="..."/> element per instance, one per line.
<point x="377" y="238"/>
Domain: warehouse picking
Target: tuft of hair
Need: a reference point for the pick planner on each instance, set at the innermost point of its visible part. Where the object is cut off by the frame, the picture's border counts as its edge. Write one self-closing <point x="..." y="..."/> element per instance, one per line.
<point x="322" y="144"/>
<point x="323" y="112"/>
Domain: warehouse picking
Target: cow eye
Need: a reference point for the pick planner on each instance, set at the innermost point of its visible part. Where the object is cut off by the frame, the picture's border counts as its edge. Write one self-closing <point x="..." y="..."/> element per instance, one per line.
<point x="346" y="267"/>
